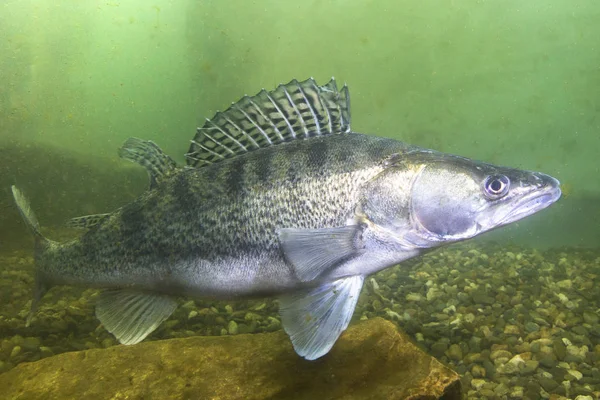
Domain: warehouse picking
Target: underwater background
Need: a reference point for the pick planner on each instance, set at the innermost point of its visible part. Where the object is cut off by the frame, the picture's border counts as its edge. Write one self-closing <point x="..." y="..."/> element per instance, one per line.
<point x="508" y="82"/>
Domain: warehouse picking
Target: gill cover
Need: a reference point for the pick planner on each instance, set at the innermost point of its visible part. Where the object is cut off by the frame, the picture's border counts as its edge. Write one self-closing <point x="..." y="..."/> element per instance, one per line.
<point x="445" y="202"/>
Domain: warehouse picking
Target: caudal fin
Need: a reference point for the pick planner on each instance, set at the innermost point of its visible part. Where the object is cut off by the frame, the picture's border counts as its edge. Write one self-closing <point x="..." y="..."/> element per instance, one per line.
<point x="40" y="244"/>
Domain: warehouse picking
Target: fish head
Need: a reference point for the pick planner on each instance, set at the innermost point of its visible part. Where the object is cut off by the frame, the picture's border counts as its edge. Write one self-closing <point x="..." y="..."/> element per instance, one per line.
<point x="454" y="198"/>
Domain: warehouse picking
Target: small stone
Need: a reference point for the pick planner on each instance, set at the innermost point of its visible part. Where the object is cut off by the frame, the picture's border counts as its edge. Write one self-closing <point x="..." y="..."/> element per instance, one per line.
<point x="501" y="390"/>
<point x="478" y="371"/>
<point x="376" y="305"/>
<point x="512" y="366"/>
<point x="517" y="392"/>
<point x="31" y="344"/>
<point x="548" y="360"/>
<point x="473" y="358"/>
<point x="439" y="348"/>
<point x="529" y="367"/>
<point x="567" y="284"/>
<point x="548" y="384"/>
<point x="532" y="327"/>
<point x="433" y="293"/>
<point x="188" y="305"/>
<point x="455" y="352"/>
<point x="232" y="328"/>
<point x="590" y="317"/>
<point x="576" y="375"/>
<point x="46" y="351"/>
<point x="560" y="350"/>
<point x="416" y="297"/>
<point x="228" y="309"/>
<point x="500" y="354"/>
<point x="511" y="330"/>
<point x="193" y="314"/>
<point x="575" y="354"/>
<point x="584" y="397"/>
<point x="252" y="317"/>
<point x="15" y="351"/>
<point x="477" y="384"/>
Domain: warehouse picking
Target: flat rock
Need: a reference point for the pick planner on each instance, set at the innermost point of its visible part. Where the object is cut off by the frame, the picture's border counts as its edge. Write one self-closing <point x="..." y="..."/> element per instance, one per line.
<point x="372" y="360"/>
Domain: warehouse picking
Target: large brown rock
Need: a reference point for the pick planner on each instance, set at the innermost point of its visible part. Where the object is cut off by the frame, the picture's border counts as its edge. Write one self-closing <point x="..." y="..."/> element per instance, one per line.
<point x="372" y="360"/>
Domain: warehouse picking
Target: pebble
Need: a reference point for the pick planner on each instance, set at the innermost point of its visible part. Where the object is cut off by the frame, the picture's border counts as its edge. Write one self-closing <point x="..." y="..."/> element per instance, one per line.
<point x="232" y="328"/>
<point x="477" y="384"/>
<point x="454" y="352"/>
<point x="590" y="317"/>
<point x="30" y="344"/>
<point x="511" y="330"/>
<point x="529" y="367"/>
<point x="15" y="351"/>
<point x="515" y="326"/>
<point x="415" y="297"/>
<point x="478" y="371"/>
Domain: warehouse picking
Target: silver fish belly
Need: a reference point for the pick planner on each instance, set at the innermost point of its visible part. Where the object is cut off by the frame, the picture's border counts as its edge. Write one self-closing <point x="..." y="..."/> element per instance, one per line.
<point x="278" y="198"/>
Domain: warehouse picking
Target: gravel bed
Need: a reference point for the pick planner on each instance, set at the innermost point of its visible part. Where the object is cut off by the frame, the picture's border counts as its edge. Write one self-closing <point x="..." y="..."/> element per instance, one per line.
<point x="515" y="323"/>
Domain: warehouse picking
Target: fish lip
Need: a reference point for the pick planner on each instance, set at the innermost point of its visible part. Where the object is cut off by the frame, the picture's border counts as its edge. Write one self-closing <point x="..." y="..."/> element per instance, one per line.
<point x="533" y="202"/>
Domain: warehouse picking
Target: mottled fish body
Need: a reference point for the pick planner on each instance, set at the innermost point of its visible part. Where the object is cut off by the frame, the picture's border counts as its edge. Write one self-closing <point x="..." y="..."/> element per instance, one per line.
<point x="279" y="198"/>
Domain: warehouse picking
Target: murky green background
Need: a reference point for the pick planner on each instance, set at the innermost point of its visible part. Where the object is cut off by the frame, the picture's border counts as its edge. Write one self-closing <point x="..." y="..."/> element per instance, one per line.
<point x="509" y="82"/>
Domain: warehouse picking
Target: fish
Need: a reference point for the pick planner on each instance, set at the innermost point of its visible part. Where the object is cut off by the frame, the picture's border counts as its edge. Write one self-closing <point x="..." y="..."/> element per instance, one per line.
<point x="279" y="198"/>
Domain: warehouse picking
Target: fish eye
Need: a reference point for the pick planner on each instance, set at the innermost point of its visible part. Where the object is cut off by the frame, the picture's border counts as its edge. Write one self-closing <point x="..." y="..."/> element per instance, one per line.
<point x="496" y="186"/>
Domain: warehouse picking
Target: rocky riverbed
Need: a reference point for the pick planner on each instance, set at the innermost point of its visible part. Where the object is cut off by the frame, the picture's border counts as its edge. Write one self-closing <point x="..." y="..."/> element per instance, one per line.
<point x="515" y="323"/>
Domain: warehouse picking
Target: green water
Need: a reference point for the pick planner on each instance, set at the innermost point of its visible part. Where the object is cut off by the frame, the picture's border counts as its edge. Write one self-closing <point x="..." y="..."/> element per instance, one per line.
<point x="509" y="82"/>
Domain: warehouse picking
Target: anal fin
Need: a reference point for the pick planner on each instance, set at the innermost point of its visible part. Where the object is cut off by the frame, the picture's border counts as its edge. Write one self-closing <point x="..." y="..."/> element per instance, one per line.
<point x="132" y="315"/>
<point x="316" y="317"/>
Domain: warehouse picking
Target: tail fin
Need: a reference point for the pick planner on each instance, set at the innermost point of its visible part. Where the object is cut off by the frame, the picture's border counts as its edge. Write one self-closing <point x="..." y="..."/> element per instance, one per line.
<point x="40" y="244"/>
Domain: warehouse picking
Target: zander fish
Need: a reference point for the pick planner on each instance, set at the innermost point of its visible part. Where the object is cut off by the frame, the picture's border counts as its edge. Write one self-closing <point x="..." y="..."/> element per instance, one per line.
<point x="279" y="197"/>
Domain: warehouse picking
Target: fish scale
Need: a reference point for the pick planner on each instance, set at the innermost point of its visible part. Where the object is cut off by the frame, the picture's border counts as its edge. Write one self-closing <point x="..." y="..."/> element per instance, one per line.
<point x="279" y="198"/>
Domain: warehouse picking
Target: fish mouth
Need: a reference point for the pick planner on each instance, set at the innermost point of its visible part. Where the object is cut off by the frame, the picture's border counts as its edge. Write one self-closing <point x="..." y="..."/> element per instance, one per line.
<point x="534" y="201"/>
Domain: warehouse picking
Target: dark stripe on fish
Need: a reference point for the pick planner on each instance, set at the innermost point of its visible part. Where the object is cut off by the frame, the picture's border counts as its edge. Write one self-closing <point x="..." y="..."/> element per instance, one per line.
<point x="264" y="165"/>
<point x="234" y="179"/>
<point x="318" y="152"/>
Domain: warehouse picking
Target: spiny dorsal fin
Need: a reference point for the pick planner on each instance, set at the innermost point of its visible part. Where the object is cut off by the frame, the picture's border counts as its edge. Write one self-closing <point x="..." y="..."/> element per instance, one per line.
<point x="297" y="110"/>
<point x="150" y="156"/>
<point x="86" y="221"/>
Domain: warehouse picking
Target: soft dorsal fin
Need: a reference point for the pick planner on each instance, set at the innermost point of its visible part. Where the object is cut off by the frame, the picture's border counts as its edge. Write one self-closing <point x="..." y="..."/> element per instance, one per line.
<point x="147" y="153"/>
<point x="297" y="110"/>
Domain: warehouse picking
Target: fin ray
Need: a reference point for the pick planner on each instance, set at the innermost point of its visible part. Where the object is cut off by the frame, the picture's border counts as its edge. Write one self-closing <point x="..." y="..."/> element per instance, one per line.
<point x="296" y="110"/>
<point x="313" y="251"/>
<point x="87" y="221"/>
<point x="147" y="154"/>
<point x="131" y="315"/>
<point x="315" y="318"/>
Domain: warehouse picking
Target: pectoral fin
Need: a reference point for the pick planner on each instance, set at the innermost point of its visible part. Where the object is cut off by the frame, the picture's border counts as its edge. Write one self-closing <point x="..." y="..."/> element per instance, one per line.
<point x="315" y="318"/>
<point x="131" y="315"/>
<point x="313" y="251"/>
